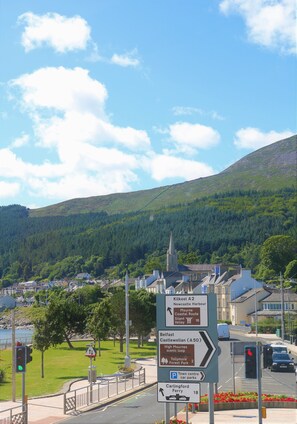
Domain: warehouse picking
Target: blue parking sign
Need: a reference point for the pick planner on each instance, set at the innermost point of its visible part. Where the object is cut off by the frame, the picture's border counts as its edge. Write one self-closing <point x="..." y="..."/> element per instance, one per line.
<point x="173" y="375"/>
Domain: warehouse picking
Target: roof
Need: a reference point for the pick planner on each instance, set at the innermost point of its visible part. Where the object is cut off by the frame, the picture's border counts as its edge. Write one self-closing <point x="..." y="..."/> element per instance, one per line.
<point x="276" y="297"/>
<point x="271" y="313"/>
<point x="249" y="294"/>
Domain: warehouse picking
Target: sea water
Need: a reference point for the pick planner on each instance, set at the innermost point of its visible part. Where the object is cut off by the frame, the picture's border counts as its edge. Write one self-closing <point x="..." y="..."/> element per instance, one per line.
<point x="23" y="335"/>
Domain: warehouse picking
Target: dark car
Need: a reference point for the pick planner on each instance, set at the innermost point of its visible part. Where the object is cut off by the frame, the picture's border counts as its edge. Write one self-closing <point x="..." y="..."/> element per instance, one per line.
<point x="282" y="362"/>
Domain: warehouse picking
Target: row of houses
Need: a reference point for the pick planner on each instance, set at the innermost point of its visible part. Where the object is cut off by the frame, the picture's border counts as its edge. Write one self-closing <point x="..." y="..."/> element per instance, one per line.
<point x="241" y="299"/>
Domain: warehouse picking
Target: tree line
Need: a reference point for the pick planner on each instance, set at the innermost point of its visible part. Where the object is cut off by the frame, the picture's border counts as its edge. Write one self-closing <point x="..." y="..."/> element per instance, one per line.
<point x="229" y="227"/>
<point x="60" y="315"/>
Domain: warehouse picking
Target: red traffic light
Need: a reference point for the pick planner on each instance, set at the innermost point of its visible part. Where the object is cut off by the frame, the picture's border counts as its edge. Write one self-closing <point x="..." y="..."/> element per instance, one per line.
<point x="249" y="352"/>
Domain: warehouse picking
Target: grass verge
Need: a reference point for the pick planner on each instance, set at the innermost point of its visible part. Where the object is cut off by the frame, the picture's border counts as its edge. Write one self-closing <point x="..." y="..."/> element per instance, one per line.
<point x="62" y="365"/>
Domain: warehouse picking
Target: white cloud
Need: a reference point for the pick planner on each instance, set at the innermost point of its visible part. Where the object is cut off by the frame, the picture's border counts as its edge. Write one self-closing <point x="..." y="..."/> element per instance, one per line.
<point x="270" y="23"/>
<point x="20" y="141"/>
<point x="253" y="138"/>
<point x="126" y="60"/>
<point x="9" y="189"/>
<point x="189" y="110"/>
<point x="186" y="110"/>
<point x="61" y="89"/>
<point x="189" y="138"/>
<point x="59" y="32"/>
<point x="81" y="184"/>
<point x="165" y="166"/>
<point x="93" y="156"/>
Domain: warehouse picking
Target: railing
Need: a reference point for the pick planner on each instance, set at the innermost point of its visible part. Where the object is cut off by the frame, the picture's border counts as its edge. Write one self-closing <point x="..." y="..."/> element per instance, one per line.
<point x="103" y="390"/>
<point x="6" y="343"/>
<point x="16" y="415"/>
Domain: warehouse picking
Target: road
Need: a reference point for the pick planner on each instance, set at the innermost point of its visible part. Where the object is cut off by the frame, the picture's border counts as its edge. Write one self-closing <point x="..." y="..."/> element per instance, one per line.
<point x="273" y="383"/>
<point x="143" y="407"/>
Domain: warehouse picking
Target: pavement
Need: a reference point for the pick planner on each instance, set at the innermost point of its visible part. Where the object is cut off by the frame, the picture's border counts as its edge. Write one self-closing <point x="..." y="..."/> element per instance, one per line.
<point x="49" y="409"/>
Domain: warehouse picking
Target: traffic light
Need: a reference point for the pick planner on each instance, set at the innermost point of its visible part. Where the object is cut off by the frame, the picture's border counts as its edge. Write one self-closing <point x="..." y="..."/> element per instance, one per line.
<point x="20" y="358"/>
<point x="28" y="353"/>
<point x="250" y="360"/>
<point x="267" y="356"/>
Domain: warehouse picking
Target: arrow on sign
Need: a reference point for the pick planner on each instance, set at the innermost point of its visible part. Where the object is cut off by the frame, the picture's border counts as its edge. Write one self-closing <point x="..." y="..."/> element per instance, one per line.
<point x="169" y="310"/>
<point x="210" y="349"/>
<point x="200" y="375"/>
<point x="161" y="391"/>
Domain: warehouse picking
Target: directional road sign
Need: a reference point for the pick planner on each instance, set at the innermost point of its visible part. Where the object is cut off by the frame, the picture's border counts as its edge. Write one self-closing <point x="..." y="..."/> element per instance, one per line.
<point x="181" y="348"/>
<point x="187" y="338"/>
<point x="178" y="392"/>
<point x="186" y="311"/>
<point x="187" y="375"/>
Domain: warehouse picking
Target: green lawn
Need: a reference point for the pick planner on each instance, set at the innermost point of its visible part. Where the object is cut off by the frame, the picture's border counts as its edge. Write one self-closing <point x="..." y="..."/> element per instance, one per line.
<point x="62" y="364"/>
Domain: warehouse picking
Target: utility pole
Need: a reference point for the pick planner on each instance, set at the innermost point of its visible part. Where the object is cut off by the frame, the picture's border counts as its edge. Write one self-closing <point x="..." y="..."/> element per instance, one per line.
<point x="282" y="308"/>
<point x="127" y="357"/>
<point x="13" y="379"/>
<point x="256" y="309"/>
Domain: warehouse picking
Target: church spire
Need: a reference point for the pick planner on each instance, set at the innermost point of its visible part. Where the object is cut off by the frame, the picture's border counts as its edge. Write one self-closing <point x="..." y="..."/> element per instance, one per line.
<point x="171" y="245"/>
<point x="171" y="256"/>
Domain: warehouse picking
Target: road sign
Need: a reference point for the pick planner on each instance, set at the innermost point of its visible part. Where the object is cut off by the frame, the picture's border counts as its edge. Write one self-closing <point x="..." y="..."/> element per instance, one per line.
<point x="187" y="375"/>
<point x="90" y="352"/>
<point x="186" y="311"/>
<point x="187" y="338"/>
<point x="178" y="392"/>
<point x="181" y="348"/>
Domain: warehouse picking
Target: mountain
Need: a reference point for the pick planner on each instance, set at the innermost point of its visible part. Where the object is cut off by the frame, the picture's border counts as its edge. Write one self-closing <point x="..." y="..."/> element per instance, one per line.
<point x="270" y="168"/>
<point x="222" y="218"/>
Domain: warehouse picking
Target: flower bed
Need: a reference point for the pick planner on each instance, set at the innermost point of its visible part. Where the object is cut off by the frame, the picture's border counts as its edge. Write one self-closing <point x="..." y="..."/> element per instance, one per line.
<point x="243" y="400"/>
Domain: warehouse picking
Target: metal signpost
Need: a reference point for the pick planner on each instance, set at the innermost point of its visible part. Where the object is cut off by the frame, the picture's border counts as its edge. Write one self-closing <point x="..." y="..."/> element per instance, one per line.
<point x="91" y="353"/>
<point x="187" y="347"/>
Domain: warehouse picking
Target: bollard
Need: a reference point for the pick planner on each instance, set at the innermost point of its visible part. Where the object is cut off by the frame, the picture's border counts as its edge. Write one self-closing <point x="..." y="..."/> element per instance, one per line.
<point x="263" y="412"/>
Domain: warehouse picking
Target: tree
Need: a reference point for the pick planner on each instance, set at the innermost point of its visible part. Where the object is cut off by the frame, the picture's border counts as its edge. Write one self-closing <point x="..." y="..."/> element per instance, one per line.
<point x="118" y="315"/>
<point x="291" y="269"/>
<point x="142" y="311"/>
<point x="275" y="254"/>
<point x="87" y="295"/>
<point x="42" y="338"/>
<point x="99" y="321"/>
<point x="66" y="319"/>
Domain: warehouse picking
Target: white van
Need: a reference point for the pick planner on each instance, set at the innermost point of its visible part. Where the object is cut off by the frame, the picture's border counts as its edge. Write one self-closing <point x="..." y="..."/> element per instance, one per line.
<point x="223" y="331"/>
<point x="279" y="347"/>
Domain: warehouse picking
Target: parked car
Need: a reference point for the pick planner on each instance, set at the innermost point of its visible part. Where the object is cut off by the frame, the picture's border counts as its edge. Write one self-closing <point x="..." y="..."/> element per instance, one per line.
<point x="282" y="362"/>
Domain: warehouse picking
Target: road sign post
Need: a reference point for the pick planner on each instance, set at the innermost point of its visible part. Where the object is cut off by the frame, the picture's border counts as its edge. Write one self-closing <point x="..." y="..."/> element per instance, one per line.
<point x="91" y="353"/>
<point x="187" y="338"/>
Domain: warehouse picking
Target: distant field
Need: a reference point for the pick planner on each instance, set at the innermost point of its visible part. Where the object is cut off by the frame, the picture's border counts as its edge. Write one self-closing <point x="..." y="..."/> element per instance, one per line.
<point x="62" y="364"/>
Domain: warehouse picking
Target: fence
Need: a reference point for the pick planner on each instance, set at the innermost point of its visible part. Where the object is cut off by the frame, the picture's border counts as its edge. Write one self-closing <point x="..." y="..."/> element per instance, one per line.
<point x="103" y="390"/>
<point x="16" y="415"/>
<point x="6" y="343"/>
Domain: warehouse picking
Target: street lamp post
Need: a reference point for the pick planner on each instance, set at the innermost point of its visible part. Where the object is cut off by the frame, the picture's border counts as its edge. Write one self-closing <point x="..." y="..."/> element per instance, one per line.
<point x="127" y="357"/>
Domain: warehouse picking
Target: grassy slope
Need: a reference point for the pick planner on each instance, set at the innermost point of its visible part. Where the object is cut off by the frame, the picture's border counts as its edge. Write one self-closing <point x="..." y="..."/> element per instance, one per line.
<point x="63" y="365"/>
<point x="271" y="168"/>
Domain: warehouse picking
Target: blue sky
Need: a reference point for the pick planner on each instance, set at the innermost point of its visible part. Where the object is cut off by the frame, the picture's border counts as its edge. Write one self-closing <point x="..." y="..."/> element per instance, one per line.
<point x="107" y="96"/>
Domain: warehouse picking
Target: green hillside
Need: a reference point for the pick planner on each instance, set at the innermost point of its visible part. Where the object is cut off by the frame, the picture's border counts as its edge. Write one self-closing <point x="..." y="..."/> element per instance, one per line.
<point x="223" y="218"/>
<point x="273" y="167"/>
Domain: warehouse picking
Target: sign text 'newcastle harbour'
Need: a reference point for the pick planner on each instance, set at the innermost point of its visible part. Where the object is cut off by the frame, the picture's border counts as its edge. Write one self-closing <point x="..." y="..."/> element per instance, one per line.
<point x="187" y="311"/>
